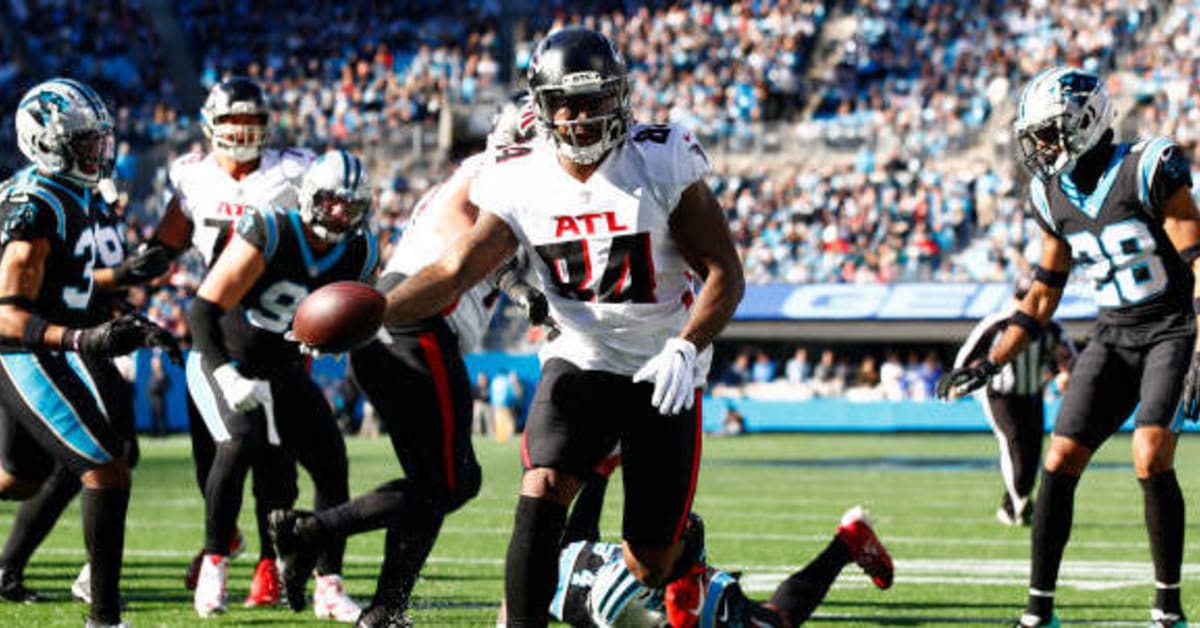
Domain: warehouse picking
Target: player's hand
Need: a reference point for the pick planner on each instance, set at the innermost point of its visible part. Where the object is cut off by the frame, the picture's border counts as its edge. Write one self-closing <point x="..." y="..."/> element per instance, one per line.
<point x="305" y="349"/>
<point x="965" y="379"/>
<point x="1191" y="390"/>
<point x="122" y="335"/>
<point x="147" y="263"/>
<point x="240" y="392"/>
<point x="673" y="373"/>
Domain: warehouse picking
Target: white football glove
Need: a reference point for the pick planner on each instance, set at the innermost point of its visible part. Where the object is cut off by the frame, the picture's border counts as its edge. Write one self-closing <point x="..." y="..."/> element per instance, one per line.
<point x="240" y="392"/>
<point x="673" y="373"/>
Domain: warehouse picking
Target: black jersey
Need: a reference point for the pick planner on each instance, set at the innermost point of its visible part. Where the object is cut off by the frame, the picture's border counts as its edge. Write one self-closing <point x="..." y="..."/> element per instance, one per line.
<point x="1142" y="286"/>
<point x="83" y="233"/>
<point x="254" y="329"/>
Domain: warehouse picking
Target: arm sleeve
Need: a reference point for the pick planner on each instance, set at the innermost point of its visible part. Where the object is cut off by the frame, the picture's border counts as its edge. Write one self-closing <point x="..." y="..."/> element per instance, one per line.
<point x="204" y="317"/>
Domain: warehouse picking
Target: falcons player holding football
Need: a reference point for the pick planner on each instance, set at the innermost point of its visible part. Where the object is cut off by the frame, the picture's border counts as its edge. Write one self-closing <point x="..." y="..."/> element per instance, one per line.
<point x="617" y="222"/>
<point x="210" y="192"/>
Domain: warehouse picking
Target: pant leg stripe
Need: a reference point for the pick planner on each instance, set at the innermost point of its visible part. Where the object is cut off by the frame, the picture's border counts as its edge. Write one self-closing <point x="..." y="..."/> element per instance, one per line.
<point x="441" y="385"/>
<point x="695" y="474"/>
<point x="42" y="396"/>
<point x="80" y="369"/>
<point x="202" y="393"/>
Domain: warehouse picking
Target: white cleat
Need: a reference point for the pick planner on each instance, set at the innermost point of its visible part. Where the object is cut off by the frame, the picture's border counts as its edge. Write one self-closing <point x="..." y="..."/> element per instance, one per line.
<point x="210" y="593"/>
<point x="331" y="602"/>
<point x="81" y="589"/>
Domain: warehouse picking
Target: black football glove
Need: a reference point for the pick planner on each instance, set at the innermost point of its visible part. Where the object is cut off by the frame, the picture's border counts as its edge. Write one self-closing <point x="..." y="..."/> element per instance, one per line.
<point x="965" y="379"/>
<point x="122" y="335"/>
<point x="151" y="260"/>
<point x="1191" y="390"/>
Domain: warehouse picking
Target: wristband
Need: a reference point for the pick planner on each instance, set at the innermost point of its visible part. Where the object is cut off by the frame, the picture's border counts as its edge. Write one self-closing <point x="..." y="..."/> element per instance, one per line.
<point x="1190" y="254"/>
<point x="70" y="339"/>
<point x="35" y="330"/>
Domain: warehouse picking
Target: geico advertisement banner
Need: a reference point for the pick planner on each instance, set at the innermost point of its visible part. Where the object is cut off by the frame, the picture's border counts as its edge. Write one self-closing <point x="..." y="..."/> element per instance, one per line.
<point x="908" y="301"/>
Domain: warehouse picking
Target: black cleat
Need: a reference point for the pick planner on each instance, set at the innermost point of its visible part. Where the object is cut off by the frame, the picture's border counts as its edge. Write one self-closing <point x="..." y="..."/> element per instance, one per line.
<point x="12" y="588"/>
<point x="383" y="617"/>
<point x="297" y="557"/>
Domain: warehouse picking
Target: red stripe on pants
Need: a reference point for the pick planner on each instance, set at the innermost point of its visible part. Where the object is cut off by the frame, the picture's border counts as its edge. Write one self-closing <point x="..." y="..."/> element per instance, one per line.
<point x="695" y="468"/>
<point x="441" y="384"/>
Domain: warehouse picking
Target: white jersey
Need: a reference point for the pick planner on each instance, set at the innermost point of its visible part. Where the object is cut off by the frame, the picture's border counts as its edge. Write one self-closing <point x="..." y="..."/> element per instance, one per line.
<point x="601" y="249"/>
<point x="422" y="244"/>
<point x="213" y="200"/>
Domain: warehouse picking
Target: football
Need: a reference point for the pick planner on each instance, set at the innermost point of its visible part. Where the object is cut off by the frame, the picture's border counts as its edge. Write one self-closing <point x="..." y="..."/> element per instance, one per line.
<point x="339" y="317"/>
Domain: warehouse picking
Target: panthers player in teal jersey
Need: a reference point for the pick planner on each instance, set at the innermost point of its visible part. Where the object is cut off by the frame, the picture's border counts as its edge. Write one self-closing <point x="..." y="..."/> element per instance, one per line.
<point x="1124" y="213"/>
<point x="60" y="406"/>
<point x="251" y="384"/>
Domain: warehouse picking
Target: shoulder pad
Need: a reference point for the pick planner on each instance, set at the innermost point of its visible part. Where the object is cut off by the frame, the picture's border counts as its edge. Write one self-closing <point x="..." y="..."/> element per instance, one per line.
<point x="28" y="216"/>
<point x="1041" y="203"/>
<point x="260" y="227"/>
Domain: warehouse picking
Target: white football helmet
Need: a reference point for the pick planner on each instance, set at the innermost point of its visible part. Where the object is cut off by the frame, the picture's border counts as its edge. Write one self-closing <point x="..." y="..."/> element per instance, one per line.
<point x="65" y="129"/>
<point x="335" y="195"/>
<point x="1063" y="113"/>
<point x="242" y="140"/>
<point x="618" y="600"/>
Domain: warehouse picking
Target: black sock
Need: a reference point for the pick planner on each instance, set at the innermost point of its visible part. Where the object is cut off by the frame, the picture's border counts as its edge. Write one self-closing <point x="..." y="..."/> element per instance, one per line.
<point x="332" y="485"/>
<point x="1165" y="513"/>
<point x="36" y="517"/>
<point x="372" y="511"/>
<point x="799" y="595"/>
<point x="104" y="532"/>
<point x="223" y="495"/>
<point x="531" y="567"/>
<point x="273" y="474"/>
<point x="406" y="547"/>
<point x="584" y="521"/>
<point x="1051" y="528"/>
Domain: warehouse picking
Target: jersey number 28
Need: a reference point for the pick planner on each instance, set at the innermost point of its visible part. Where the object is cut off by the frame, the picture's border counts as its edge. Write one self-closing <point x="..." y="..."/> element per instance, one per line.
<point x="1123" y="263"/>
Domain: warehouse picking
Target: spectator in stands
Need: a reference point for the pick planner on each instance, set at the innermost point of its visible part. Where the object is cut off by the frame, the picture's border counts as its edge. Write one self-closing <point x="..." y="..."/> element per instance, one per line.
<point x="798" y="370"/>
<point x="737" y="373"/>
<point x="828" y="379"/>
<point x="891" y="376"/>
<point x="763" y="371"/>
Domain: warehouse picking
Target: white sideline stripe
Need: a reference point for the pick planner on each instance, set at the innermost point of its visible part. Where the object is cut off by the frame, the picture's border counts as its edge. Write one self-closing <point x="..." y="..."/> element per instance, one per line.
<point x="357" y="559"/>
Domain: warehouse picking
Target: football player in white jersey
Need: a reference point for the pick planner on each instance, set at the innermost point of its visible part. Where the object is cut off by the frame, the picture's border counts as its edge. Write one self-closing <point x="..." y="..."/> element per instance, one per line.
<point x="210" y="192"/>
<point x="415" y="377"/>
<point x="617" y="222"/>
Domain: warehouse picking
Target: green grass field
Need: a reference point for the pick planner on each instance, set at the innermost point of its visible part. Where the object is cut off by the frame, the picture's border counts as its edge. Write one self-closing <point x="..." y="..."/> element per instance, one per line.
<point x="770" y="502"/>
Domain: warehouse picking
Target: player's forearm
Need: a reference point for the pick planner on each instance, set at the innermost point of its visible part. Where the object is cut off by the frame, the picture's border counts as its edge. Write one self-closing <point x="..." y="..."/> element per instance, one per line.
<point x="422" y="295"/>
<point x="1037" y="308"/>
<point x="714" y="307"/>
<point x="21" y="328"/>
<point x="1196" y="297"/>
<point x="105" y="279"/>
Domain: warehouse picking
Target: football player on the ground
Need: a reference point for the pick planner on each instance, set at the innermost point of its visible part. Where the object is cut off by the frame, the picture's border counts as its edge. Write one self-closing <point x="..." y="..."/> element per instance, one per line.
<point x="1013" y="402"/>
<point x="596" y="589"/>
<point x="250" y="384"/>
<point x="617" y="222"/>
<point x="59" y="405"/>
<point x="416" y="379"/>
<point x="210" y="192"/>
<point x="1124" y="212"/>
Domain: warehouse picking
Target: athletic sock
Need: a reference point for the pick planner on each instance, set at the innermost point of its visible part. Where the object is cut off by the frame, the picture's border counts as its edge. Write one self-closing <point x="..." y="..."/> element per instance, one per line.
<point x="799" y="595"/>
<point x="371" y="511"/>
<point x="36" y="517"/>
<point x="531" y="566"/>
<point x="104" y="532"/>
<point x="1164" y="511"/>
<point x="1051" y="528"/>
<point x="406" y="547"/>
<point x="584" y="521"/>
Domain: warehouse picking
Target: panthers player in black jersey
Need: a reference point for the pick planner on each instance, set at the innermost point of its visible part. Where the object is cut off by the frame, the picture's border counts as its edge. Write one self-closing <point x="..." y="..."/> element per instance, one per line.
<point x="1125" y="214"/>
<point x="60" y="406"/>
<point x="250" y="383"/>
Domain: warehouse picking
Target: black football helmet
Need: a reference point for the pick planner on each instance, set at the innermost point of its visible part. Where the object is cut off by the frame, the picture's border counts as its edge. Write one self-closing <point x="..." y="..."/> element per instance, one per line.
<point x="236" y="96"/>
<point x="580" y="70"/>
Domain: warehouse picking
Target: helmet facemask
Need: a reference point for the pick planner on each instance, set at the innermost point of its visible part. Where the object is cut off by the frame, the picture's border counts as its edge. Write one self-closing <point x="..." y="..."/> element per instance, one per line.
<point x="1043" y="148"/>
<point x="240" y="136"/>
<point x="1064" y="112"/>
<point x="605" y="101"/>
<point x="333" y="214"/>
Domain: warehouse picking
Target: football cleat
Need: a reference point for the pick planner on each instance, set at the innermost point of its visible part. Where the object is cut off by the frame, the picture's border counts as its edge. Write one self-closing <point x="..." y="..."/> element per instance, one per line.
<point x="296" y="557"/>
<point x="1029" y="620"/>
<point x="264" y="588"/>
<point x="210" y="594"/>
<point x="331" y="602"/>
<point x="683" y="598"/>
<point x="81" y="589"/>
<point x="1160" y="619"/>
<point x="1008" y="515"/>
<point x="384" y="617"/>
<point x="236" y="548"/>
<point x="865" y="548"/>
<point x="12" y="588"/>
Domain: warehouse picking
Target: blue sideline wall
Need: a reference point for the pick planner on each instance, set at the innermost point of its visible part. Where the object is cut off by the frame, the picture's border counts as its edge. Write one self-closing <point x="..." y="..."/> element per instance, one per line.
<point x="816" y="415"/>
